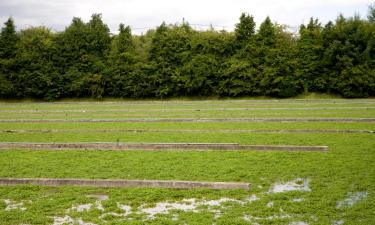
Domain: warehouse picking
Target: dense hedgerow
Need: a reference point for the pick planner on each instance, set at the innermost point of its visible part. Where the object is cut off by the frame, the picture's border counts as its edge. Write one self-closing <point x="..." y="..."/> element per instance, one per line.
<point x="175" y="60"/>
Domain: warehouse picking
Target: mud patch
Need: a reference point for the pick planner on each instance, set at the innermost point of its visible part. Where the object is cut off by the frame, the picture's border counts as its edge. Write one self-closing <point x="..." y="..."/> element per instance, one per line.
<point x="298" y="184"/>
<point x="352" y="199"/>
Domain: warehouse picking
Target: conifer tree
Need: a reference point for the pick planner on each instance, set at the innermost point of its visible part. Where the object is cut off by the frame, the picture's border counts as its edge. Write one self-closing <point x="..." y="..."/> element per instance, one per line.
<point x="245" y="29"/>
<point x="8" y="67"/>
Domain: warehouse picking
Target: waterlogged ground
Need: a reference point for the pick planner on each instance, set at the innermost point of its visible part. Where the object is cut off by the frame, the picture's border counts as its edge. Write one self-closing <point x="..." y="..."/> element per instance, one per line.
<point x="291" y="188"/>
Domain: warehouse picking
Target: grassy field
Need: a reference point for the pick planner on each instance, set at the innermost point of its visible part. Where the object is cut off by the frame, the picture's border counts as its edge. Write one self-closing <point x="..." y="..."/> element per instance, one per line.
<point x="295" y="188"/>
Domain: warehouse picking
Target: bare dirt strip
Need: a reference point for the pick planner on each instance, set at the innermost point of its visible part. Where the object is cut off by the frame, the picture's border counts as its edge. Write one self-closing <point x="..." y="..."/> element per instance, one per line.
<point x="155" y="146"/>
<point x="143" y="120"/>
<point x="125" y="183"/>
<point x="185" y="131"/>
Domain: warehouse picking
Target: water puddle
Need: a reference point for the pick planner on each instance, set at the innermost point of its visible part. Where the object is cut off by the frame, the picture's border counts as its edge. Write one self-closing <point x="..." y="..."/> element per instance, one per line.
<point x="298" y="223"/>
<point x="298" y="200"/>
<point x="67" y="220"/>
<point x="298" y="184"/>
<point x="192" y="205"/>
<point x="273" y="217"/>
<point x="125" y="208"/>
<point x="86" y="207"/>
<point x="62" y="220"/>
<point x="12" y="205"/>
<point x="98" y="197"/>
<point x="352" y="199"/>
<point x="215" y="207"/>
<point x="338" y="222"/>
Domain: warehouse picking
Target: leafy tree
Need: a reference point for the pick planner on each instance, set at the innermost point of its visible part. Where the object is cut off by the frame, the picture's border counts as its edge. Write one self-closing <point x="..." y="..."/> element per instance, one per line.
<point x="239" y="74"/>
<point x="277" y="65"/>
<point x="37" y="76"/>
<point x="84" y="60"/>
<point x="98" y="39"/>
<point x="169" y="51"/>
<point x="199" y="75"/>
<point x="71" y="55"/>
<point x="122" y="57"/>
<point x="310" y="54"/>
<point x="347" y="62"/>
<point x="210" y="50"/>
<point x="81" y="52"/>
<point x="238" y="78"/>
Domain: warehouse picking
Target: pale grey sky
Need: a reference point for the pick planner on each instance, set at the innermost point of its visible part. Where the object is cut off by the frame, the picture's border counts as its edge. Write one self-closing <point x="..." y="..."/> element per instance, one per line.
<point x="142" y="14"/>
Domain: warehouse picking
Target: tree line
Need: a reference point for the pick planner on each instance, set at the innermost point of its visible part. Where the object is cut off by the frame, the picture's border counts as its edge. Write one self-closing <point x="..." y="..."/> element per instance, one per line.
<point x="85" y="60"/>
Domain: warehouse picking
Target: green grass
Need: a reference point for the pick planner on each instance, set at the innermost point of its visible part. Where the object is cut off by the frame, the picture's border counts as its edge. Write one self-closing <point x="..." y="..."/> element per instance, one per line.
<point x="154" y="137"/>
<point x="347" y="167"/>
<point x="364" y="113"/>
<point x="188" y="126"/>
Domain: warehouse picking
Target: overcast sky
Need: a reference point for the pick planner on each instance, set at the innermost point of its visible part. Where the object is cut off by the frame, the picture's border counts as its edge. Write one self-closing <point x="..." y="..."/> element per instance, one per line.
<point x="143" y="14"/>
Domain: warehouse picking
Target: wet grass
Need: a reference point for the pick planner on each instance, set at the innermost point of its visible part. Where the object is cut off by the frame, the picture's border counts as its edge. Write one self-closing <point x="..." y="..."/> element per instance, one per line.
<point x="347" y="167"/>
<point x="189" y="126"/>
<point x="337" y="113"/>
<point x="172" y="137"/>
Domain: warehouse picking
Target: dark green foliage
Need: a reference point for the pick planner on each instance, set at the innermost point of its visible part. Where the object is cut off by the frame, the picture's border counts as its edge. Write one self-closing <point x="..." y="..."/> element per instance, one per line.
<point x="348" y="59"/>
<point x="8" y="42"/>
<point x="118" y="75"/>
<point x="238" y="78"/>
<point x="210" y="51"/>
<point x="281" y="63"/>
<point x="239" y="75"/>
<point x="84" y="60"/>
<point x="371" y="13"/>
<point x="199" y="75"/>
<point x="36" y="74"/>
<point x="170" y="49"/>
<point x="80" y="57"/>
<point x="267" y="33"/>
<point x="310" y="53"/>
<point x="245" y="29"/>
<point x="277" y="61"/>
